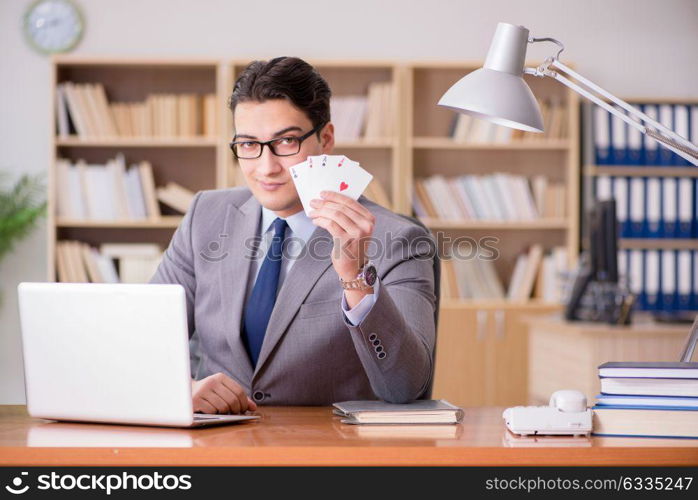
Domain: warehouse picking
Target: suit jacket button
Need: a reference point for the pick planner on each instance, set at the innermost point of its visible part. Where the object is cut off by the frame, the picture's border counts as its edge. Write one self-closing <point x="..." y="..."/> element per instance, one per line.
<point x="372" y="337"/>
<point x="258" y="396"/>
<point x="381" y="355"/>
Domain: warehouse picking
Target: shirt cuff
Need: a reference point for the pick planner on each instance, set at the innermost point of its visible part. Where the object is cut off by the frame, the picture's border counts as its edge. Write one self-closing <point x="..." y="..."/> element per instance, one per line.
<point x="356" y="314"/>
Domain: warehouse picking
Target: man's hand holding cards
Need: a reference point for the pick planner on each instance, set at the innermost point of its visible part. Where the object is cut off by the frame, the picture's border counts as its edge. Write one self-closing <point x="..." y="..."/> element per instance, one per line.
<point x="328" y="173"/>
<point x="328" y="187"/>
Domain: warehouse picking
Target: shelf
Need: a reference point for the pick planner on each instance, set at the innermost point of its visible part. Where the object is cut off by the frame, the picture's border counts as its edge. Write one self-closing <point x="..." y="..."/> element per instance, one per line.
<point x="497" y="304"/>
<point x="658" y="243"/>
<point x="166" y="222"/>
<point x="366" y="143"/>
<point x="552" y="224"/>
<point x="447" y="143"/>
<point x="639" y="171"/>
<point x="131" y="142"/>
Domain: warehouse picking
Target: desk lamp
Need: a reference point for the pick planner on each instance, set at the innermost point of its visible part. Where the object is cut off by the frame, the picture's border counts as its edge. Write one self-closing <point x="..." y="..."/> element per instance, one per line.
<point x="498" y="93"/>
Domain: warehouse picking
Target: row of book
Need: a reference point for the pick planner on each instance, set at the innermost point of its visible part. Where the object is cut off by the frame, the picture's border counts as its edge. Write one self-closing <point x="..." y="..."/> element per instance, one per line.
<point x="78" y="262"/>
<point x="536" y="275"/>
<point x="657" y="399"/>
<point x="114" y="191"/>
<point x="496" y="197"/>
<point x="661" y="280"/>
<point x="83" y="109"/>
<point x="617" y="143"/>
<point x="652" y="207"/>
<point x="368" y="117"/>
<point x="468" y="129"/>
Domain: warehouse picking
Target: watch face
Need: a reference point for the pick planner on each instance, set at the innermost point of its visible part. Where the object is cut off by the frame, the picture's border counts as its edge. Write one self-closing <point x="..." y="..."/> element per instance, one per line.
<point x="370" y="275"/>
<point x="53" y="25"/>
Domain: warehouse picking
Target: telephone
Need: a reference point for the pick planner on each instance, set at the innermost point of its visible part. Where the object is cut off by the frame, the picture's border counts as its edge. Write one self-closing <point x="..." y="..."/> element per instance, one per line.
<point x="566" y="414"/>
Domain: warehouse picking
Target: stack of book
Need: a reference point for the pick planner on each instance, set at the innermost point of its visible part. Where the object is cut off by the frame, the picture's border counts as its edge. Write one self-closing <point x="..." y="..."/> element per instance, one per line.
<point x="78" y="262"/>
<point x="83" y="109"/>
<point x="657" y="399"/>
<point x="348" y="116"/>
<point x="369" y="116"/>
<point x="114" y="191"/>
<point x="496" y="197"/>
<point x="380" y="111"/>
<point x="536" y="274"/>
<point x="471" y="130"/>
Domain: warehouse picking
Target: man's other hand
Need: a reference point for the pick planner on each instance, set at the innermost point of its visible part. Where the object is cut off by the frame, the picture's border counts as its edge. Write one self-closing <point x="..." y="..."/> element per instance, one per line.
<point x="219" y="393"/>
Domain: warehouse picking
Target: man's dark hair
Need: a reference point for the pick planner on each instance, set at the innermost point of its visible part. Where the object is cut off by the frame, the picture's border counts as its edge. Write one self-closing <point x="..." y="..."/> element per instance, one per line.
<point x="288" y="78"/>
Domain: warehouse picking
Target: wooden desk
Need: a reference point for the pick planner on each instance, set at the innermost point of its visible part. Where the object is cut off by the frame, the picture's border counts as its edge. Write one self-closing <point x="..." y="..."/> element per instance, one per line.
<point x="566" y="355"/>
<point x="313" y="436"/>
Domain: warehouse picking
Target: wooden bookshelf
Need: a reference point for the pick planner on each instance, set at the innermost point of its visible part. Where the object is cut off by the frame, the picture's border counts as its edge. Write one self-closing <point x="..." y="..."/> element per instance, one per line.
<point x="658" y="243"/>
<point x="639" y="171"/>
<point x="132" y="142"/>
<point x="166" y="221"/>
<point x="448" y="143"/>
<point x="481" y="350"/>
<point x="195" y="162"/>
<point x="526" y="225"/>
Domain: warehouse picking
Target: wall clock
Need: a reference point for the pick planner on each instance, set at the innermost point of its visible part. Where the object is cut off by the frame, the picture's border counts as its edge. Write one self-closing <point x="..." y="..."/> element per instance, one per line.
<point x="53" y="26"/>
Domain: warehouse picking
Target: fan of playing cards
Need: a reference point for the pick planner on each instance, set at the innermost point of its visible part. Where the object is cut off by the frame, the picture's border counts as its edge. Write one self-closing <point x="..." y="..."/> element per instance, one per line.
<point x="328" y="173"/>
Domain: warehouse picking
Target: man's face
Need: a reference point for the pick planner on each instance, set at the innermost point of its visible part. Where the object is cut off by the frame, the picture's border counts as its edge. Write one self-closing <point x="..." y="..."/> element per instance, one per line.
<point x="267" y="176"/>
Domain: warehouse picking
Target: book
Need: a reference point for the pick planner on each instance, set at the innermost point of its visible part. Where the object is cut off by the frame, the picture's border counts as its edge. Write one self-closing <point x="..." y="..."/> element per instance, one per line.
<point x="642" y="422"/>
<point x="650" y="386"/>
<point x="650" y="401"/>
<point x="175" y="196"/>
<point x="416" y="412"/>
<point x="649" y="370"/>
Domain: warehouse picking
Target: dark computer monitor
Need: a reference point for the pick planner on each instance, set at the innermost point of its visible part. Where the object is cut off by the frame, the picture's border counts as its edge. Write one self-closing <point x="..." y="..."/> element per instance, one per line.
<point x="602" y="263"/>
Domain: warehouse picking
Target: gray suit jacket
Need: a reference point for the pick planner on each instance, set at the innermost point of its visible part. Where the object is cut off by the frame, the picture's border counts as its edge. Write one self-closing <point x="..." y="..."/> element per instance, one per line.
<point x="311" y="355"/>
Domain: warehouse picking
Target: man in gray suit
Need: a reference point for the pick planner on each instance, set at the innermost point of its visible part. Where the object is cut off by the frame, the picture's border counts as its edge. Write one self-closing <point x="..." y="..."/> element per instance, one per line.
<point x="293" y="309"/>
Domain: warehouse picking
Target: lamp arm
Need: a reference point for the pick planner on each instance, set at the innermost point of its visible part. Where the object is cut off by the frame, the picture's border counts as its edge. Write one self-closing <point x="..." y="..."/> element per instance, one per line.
<point x="668" y="138"/>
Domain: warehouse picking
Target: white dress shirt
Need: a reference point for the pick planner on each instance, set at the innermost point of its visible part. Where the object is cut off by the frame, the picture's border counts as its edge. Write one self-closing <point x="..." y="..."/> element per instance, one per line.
<point x="300" y="229"/>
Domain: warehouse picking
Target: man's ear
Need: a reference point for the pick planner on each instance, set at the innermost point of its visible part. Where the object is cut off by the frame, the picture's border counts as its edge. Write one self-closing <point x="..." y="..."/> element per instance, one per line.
<point x="327" y="138"/>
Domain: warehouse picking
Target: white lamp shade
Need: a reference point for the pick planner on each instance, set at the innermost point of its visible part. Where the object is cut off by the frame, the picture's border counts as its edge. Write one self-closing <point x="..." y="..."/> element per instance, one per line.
<point x="496" y="96"/>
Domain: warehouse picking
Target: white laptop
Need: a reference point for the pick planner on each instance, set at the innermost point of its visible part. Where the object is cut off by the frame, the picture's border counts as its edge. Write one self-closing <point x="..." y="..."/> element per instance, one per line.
<point x="115" y="353"/>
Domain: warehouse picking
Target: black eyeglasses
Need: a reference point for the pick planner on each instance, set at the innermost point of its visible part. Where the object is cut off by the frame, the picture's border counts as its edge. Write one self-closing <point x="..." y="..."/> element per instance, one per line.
<point x="281" y="146"/>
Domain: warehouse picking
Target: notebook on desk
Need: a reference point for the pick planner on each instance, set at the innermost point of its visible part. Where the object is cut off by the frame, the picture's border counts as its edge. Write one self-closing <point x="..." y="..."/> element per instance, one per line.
<point x="416" y="412"/>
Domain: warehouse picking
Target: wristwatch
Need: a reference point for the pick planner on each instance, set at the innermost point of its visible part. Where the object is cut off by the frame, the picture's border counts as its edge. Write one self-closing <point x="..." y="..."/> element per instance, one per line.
<point x="365" y="279"/>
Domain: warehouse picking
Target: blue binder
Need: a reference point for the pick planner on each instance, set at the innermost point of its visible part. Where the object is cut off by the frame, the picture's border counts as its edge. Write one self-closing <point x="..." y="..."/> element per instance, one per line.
<point x="684" y="280"/>
<point x="686" y="207"/>
<point x="670" y="193"/>
<point x="668" y="283"/>
<point x="651" y="146"/>
<point x="602" y="135"/>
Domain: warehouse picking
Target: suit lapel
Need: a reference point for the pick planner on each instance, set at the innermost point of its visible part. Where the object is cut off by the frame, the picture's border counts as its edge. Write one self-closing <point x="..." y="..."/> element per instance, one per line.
<point x="302" y="276"/>
<point x="241" y="228"/>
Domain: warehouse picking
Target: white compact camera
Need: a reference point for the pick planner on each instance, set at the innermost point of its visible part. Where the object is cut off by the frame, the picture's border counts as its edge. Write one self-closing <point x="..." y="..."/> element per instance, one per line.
<point x="566" y="414"/>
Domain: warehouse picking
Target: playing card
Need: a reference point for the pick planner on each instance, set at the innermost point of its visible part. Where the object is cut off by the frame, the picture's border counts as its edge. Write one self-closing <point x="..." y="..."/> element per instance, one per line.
<point x="328" y="173"/>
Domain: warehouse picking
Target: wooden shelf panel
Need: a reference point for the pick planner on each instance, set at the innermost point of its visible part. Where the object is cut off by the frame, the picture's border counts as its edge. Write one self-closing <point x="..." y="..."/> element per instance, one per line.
<point x="494" y="304"/>
<point x="639" y="171"/>
<point x="148" y="142"/>
<point x="166" y="222"/>
<point x="366" y="144"/>
<point x="548" y="224"/>
<point x="658" y="243"/>
<point x="448" y="143"/>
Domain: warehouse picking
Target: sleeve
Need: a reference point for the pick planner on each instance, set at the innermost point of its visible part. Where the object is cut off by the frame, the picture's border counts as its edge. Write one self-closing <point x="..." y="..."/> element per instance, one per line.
<point x="395" y="339"/>
<point x="177" y="265"/>
<point x="356" y="314"/>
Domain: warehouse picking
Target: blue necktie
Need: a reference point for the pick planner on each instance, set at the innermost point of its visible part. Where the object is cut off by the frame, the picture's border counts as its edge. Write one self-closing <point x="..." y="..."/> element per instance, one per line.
<point x="261" y="301"/>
